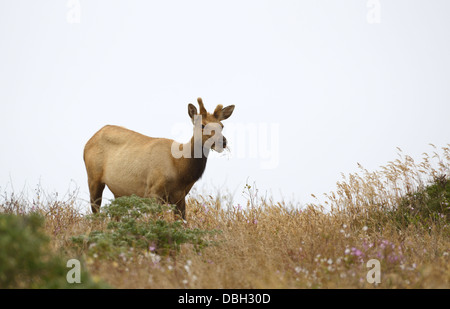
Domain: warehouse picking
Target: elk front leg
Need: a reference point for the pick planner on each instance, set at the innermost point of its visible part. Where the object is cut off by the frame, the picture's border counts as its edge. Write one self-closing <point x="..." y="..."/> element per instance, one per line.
<point x="181" y="208"/>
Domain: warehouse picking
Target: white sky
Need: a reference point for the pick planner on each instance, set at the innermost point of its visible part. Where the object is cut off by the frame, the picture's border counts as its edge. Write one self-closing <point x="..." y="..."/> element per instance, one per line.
<point x="332" y="88"/>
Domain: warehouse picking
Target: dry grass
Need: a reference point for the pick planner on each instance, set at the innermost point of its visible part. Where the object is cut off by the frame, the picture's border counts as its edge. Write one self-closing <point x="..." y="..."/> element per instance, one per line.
<point x="271" y="245"/>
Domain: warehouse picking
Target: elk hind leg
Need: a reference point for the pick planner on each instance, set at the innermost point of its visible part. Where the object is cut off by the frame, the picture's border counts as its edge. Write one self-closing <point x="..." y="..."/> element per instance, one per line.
<point x="96" y="192"/>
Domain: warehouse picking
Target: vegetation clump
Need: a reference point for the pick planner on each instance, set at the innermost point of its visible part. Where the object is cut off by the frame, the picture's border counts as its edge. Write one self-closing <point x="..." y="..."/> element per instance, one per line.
<point x="26" y="260"/>
<point x="140" y="224"/>
<point x="427" y="205"/>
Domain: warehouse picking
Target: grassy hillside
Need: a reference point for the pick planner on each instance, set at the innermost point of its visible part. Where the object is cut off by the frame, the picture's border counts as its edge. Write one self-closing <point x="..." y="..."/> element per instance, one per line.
<point x="398" y="215"/>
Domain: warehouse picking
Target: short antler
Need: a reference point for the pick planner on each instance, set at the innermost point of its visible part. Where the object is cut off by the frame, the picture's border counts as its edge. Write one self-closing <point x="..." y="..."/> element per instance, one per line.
<point x="202" y="107"/>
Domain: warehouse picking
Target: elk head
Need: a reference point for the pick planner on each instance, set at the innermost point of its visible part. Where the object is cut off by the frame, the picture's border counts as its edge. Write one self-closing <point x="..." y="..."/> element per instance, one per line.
<point x="208" y="127"/>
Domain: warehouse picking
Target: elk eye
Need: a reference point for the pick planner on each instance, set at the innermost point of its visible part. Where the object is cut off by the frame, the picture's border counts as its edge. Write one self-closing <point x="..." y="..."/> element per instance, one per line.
<point x="203" y="126"/>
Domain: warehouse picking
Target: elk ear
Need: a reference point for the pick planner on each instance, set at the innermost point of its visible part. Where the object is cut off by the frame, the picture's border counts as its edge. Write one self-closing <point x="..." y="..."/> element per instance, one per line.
<point x="226" y="112"/>
<point x="192" y="111"/>
<point x="218" y="111"/>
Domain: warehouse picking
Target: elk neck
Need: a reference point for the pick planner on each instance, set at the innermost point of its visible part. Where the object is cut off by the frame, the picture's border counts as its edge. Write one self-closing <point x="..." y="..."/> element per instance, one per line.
<point x="194" y="166"/>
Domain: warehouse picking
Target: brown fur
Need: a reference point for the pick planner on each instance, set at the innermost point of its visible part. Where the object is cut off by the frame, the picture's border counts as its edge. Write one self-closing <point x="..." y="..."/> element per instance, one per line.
<point x="131" y="163"/>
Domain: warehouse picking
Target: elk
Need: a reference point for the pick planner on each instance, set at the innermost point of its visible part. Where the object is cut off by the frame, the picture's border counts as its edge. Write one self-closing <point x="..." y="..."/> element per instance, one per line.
<point x="131" y="163"/>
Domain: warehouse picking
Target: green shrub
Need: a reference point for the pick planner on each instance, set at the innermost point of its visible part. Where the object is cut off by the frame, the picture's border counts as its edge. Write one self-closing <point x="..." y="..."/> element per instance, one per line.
<point x="26" y="260"/>
<point x="137" y="224"/>
<point x="427" y="205"/>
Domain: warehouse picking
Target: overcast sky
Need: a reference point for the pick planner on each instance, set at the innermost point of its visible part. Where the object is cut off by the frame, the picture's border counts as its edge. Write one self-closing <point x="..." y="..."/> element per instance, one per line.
<point x="318" y="85"/>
